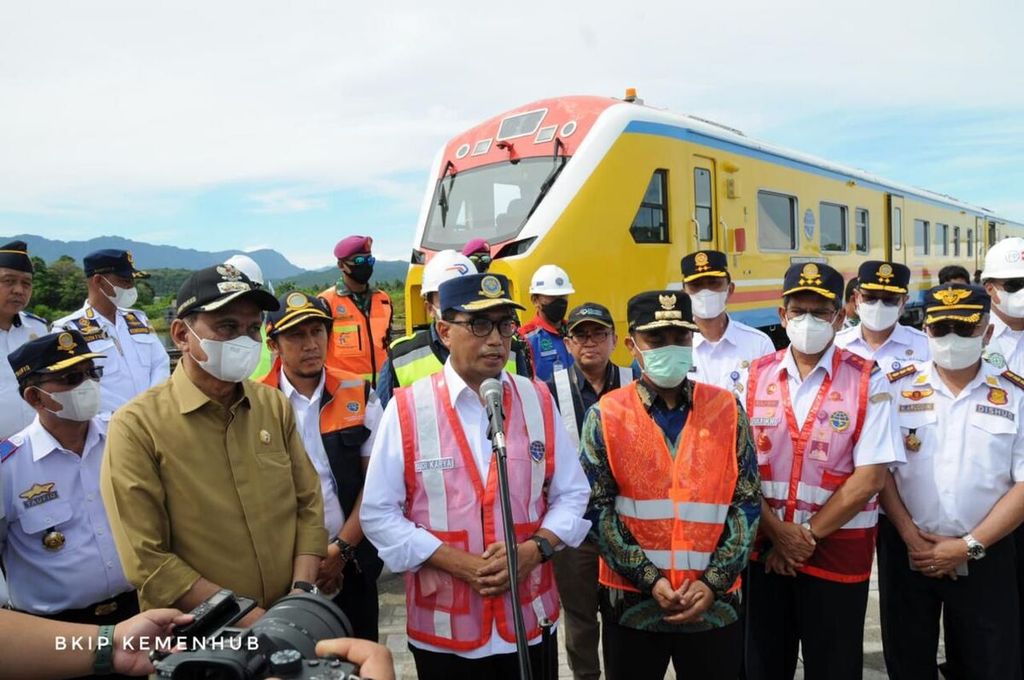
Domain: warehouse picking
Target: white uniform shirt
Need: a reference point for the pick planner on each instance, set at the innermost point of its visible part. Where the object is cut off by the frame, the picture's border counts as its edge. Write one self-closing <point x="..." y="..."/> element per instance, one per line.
<point x="1006" y="342"/>
<point x="905" y="345"/>
<point x="404" y="546"/>
<point x="47" y="487"/>
<point x="880" y="441"/>
<point x="307" y="419"/>
<point x="135" y="357"/>
<point x="971" y="447"/>
<point x="726" y="363"/>
<point x="15" y="414"/>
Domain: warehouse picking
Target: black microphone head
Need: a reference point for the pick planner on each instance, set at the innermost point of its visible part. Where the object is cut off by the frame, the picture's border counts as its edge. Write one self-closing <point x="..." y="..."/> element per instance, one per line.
<point x="491" y="390"/>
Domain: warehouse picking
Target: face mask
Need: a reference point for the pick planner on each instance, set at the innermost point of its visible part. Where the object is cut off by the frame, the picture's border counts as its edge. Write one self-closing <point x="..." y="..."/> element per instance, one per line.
<point x="809" y="334"/>
<point x="877" y="316"/>
<point x="229" y="360"/>
<point x="122" y="297"/>
<point x="667" y="366"/>
<point x="79" y="404"/>
<point x="1011" y="304"/>
<point x="361" y="273"/>
<point x="953" y="352"/>
<point x="555" y="311"/>
<point x="708" y="304"/>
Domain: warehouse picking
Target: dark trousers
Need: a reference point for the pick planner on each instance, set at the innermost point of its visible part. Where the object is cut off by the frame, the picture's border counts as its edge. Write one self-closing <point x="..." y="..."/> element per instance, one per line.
<point x="358" y="599"/>
<point x="110" y="613"/>
<point x="576" y="577"/>
<point x="823" y="618"/>
<point x="1018" y="540"/>
<point x="631" y="654"/>
<point x="444" y="666"/>
<point x="979" y="611"/>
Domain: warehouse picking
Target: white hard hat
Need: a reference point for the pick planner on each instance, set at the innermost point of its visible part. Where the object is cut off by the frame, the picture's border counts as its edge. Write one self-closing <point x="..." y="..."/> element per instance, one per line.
<point x="248" y="266"/>
<point x="445" y="265"/>
<point x="1005" y="260"/>
<point x="550" y="279"/>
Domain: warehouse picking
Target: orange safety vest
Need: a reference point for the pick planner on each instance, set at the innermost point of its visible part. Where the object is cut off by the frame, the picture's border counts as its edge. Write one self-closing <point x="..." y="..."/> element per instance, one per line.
<point x="675" y="508"/>
<point x="358" y="344"/>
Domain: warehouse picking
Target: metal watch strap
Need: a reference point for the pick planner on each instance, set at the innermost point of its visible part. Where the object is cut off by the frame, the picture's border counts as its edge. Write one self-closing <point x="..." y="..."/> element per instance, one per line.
<point x="103" y="663"/>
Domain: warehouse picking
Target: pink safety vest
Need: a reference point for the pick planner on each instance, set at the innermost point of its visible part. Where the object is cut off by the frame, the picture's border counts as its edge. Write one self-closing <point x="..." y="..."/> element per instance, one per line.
<point x="446" y="496"/>
<point x="802" y="465"/>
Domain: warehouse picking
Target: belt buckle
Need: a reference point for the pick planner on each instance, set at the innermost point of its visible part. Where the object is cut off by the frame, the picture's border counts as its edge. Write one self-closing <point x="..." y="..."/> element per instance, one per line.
<point x="105" y="609"/>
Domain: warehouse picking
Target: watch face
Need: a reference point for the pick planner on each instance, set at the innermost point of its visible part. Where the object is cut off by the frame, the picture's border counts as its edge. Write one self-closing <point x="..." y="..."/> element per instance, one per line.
<point x="976" y="551"/>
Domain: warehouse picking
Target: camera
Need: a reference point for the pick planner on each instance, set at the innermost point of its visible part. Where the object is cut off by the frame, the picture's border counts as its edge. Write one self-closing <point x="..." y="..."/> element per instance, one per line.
<point x="281" y="644"/>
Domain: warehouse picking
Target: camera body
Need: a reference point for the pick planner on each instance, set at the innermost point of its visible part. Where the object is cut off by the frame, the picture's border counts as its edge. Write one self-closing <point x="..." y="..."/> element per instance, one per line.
<point x="281" y="644"/>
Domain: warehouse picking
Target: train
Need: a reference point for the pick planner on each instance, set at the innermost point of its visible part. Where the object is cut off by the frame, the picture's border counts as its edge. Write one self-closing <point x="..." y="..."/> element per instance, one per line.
<point x="616" y="192"/>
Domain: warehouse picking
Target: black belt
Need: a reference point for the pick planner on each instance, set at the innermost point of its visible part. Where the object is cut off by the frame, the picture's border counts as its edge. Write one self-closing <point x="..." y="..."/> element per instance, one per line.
<point x="114" y="610"/>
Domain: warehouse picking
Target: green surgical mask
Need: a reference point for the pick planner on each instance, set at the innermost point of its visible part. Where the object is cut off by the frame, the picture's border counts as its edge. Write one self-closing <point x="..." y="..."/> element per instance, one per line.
<point x="667" y="366"/>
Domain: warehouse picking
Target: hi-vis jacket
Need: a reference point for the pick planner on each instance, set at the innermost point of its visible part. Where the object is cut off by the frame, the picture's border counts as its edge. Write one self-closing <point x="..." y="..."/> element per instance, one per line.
<point x="358" y="342"/>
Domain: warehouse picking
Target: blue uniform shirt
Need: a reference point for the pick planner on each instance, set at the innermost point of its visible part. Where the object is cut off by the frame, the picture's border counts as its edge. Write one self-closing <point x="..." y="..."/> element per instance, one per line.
<point x="547" y="347"/>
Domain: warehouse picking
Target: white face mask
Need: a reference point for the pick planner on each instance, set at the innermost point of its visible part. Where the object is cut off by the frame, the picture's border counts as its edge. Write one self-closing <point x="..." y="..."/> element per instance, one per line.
<point x="953" y="352"/>
<point x="79" y="404"/>
<point x="122" y="297"/>
<point x="1011" y="304"/>
<point x="708" y="304"/>
<point x="809" y="334"/>
<point x="229" y="360"/>
<point x="878" y="316"/>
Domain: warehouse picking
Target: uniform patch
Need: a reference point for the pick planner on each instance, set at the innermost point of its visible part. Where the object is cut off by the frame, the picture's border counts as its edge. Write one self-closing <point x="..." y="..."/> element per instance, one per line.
<point x="880" y="397"/>
<point x="766" y="402"/>
<point x="835" y="396"/>
<point x="840" y="420"/>
<point x="997" y="396"/>
<point x="996" y="359"/>
<point x="353" y="406"/>
<point x="761" y="421"/>
<point x="764" y="443"/>
<point x="37" y="494"/>
<point x="264" y="436"/>
<point x="917" y="395"/>
<point x="7" y="449"/>
<point x="910" y="408"/>
<point x="902" y="373"/>
<point x="435" y="464"/>
<point x="896" y="365"/>
<point x="993" y="411"/>
<point x="772" y="388"/>
<point x="537" y="451"/>
<point x="912" y="442"/>
<point x="818" y="450"/>
<point x="1014" y="378"/>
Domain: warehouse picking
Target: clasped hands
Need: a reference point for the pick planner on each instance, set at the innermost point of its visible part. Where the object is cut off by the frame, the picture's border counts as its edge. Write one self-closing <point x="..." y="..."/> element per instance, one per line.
<point x="792" y="546"/>
<point x="487" y="574"/>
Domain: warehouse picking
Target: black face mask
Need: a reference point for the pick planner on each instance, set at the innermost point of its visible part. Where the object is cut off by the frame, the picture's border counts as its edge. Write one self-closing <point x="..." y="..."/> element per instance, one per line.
<point x="555" y="311"/>
<point x="361" y="273"/>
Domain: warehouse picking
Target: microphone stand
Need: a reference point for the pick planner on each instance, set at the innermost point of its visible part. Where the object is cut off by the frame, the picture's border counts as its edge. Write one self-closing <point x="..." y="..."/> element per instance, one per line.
<point x="496" y="433"/>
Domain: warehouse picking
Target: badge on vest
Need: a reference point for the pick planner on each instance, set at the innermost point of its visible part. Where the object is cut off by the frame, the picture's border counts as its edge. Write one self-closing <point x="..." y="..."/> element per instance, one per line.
<point x="764" y="422"/>
<point x="818" y="450"/>
<point x="435" y="464"/>
<point x="839" y="420"/>
<point x="537" y="451"/>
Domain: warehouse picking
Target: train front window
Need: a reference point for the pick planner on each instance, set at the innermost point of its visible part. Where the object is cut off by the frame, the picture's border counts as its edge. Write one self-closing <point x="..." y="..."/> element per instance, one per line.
<point x="490" y="202"/>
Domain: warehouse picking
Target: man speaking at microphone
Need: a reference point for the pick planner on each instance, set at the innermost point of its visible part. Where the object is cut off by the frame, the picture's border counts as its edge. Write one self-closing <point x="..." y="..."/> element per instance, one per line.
<point x="431" y="503"/>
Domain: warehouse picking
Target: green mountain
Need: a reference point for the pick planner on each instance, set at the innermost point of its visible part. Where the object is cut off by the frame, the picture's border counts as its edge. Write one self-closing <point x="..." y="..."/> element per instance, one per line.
<point x="384" y="270"/>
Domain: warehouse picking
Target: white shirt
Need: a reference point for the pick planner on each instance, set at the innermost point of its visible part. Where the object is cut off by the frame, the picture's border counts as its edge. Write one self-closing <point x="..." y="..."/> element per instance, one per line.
<point x="972" y="447"/>
<point x="905" y="345"/>
<point x="15" y="414"/>
<point x="1006" y="342"/>
<point x="47" y="487"/>
<point x="135" y="357"/>
<point x="726" y="363"/>
<point x="880" y="441"/>
<point x="404" y="546"/>
<point x="307" y="419"/>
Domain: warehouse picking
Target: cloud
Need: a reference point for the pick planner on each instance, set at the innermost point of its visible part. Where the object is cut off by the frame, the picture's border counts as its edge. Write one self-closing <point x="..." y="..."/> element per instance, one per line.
<point x="292" y="200"/>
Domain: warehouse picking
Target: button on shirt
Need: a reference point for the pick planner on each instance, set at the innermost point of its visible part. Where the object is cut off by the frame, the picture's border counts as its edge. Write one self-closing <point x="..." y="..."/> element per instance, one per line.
<point x="905" y="345"/>
<point x="135" y="357"/>
<point x="1007" y="342"/>
<point x="15" y="414"/>
<point x="971" y="452"/>
<point x="403" y="546"/>
<point x="726" y="363"/>
<point x="47" y="487"/>
<point x="880" y="441"/>
<point x="307" y="420"/>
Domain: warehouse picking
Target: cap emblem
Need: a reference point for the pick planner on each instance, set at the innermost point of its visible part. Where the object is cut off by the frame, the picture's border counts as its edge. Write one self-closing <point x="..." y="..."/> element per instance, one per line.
<point x="884" y="273"/>
<point x="490" y="287"/>
<point x="229" y="272"/>
<point x="810" y="276"/>
<point x="66" y="343"/>
<point x="951" y="296"/>
<point x="668" y="302"/>
<point x="131" y="258"/>
<point x="701" y="260"/>
<point x="297" y="301"/>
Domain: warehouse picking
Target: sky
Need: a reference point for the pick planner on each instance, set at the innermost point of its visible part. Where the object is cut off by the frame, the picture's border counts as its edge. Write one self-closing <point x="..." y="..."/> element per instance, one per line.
<point x="290" y="125"/>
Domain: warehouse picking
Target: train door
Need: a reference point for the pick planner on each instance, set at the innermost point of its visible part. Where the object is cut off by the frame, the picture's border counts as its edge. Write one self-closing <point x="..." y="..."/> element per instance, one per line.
<point x="895" y="243"/>
<point x="705" y="206"/>
<point x="983" y="237"/>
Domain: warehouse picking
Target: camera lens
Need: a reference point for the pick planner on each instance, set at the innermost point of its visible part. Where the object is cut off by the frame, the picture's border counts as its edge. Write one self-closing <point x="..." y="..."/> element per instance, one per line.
<point x="298" y="622"/>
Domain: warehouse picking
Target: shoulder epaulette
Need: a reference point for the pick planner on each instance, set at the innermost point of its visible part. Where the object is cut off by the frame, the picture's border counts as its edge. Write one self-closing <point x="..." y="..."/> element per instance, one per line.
<point x="910" y="369"/>
<point x="1014" y="378"/>
<point x="37" y="318"/>
<point x="7" y="449"/>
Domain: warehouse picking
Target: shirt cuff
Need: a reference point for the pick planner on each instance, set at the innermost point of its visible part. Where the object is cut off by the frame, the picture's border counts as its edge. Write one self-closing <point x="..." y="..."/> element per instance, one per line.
<point x="570" y="529"/>
<point x="311" y="541"/>
<point x="167" y="584"/>
<point x="410" y="555"/>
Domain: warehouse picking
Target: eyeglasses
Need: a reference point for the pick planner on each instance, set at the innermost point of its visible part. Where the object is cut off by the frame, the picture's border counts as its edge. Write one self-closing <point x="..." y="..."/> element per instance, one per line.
<point x="481" y="326"/>
<point x="943" y="328"/>
<point x="887" y="301"/>
<point x="480" y="258"/>
<point x="75" y="379"/>
<point x="597" y="337"/>
<point x="1013" y="285"/>
<point x="360" y="260"/>
<point x="828" y="315"/>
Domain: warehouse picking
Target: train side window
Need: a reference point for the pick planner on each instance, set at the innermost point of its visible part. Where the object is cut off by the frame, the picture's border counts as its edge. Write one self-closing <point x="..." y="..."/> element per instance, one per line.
<point x="921" y="245"/>
<point x="970" y="243"/>
<point x="956" y="241"/>
<point x="941" y="239"/>
<point x="833" y="227"/>
<point x="776" y="221"/>
<point x="651" y="222"/>
<point x="702" y="203"/>
<point x="862" y="230"/>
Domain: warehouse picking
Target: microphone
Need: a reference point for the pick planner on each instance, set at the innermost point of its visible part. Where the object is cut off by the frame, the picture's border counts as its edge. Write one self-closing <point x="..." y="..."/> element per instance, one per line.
<point x="492" y="392"/>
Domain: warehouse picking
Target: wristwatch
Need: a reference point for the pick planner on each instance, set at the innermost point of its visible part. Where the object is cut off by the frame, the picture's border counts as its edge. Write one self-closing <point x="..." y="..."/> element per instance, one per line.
<point x="546" y="551"/>
<point x="348" y="551"/>
<point x="807" y="525"/>
<point x="306" y="586"/>
<point x="975" y="550"/>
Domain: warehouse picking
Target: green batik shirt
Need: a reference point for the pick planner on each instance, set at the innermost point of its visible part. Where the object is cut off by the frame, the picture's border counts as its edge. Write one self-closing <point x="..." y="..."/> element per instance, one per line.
<point x="624" y="555"/>
<point x="362" y="300"/>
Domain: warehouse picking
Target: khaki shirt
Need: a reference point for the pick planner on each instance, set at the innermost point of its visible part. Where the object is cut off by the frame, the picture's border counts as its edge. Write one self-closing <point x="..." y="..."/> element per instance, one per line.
<point x="193" y="489"/>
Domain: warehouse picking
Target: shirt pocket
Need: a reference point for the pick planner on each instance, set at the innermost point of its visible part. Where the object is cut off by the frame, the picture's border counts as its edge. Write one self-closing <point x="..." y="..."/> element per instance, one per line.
<point x="275" y="474"/>
<point x="110" y="363"/>
<point x="56" y="514"/>
<point x="993" y="432"/>
<point x="924" y="426"/>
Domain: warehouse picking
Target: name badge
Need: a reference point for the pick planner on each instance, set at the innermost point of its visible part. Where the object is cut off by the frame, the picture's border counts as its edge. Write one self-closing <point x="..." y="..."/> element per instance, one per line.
<point x="993" y="411"/>
<point x="910" y="408"/>
<point x="435" y="464"/>
<point x="764" y="422"/>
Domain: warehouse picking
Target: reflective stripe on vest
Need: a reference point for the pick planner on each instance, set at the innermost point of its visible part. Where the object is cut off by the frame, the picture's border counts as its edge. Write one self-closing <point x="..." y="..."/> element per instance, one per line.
<point x="357" y="342"/>
<point x="446" y="495"/>
<point x="568" y="413"/>
<point x="422" y="361"/>
<point x="674" y="507"/>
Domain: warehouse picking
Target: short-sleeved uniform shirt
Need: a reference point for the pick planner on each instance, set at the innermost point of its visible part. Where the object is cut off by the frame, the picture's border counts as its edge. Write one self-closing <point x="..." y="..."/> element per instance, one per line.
<point x="15" y="414"/>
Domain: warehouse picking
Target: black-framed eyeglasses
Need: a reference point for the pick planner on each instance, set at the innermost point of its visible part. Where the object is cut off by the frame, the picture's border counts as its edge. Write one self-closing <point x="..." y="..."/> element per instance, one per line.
<point x="943" y="328"/>
<point x="74" y="379"/>
<point x="596" y="337"/>
<point x="887" y="301"/>
<point x="360" y="260"/>
<point x="1013" y="285"/>
<point x="480" y="258"/>
<point x="481" y="326"/>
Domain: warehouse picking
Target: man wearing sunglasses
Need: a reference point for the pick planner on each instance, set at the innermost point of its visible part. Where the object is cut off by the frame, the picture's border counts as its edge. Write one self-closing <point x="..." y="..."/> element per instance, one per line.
<point x="823" y="426"/>
<point x="431" y="504"/>
<point x="59" y="554"/>
<point x="479" y="253"/>
<point x="880" y="296"/>
<point x="362" y="313"/>
<point x="16" y="328"/>
<point x="941" y="547"/>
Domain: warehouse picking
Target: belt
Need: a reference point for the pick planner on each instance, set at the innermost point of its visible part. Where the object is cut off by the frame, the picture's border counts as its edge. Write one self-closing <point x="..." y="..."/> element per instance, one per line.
<point x="113" y="610"/>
